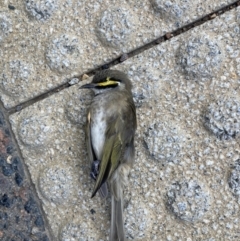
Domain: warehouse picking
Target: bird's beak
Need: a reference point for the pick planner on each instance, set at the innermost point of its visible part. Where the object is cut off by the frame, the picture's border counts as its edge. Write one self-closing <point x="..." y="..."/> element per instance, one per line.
<point x="87" y="86"/>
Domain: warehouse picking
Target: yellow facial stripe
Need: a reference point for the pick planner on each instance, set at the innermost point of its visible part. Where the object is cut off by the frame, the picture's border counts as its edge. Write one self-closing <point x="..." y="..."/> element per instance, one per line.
<point x="108" y="82"/>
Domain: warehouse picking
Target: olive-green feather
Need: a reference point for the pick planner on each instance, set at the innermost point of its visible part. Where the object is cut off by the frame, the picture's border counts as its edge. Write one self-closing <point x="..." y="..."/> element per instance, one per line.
<point x="107" y="150"/>
<point x="116" y="155"/>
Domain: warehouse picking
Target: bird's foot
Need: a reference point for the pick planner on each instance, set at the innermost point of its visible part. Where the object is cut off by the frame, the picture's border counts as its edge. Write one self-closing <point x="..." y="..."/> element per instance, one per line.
<point x="95" y="169"/>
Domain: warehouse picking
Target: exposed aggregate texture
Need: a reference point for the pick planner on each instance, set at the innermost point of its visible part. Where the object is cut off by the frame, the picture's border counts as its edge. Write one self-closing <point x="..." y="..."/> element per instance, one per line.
<point x="5" y="26"/>
<point x="223" y="118"/>
<point x="201" y="56"/>
<point x="188" y="200"/>
<point x="185" y="181"/>
<point x="55" y="40"/>
<point x="41" y="9"/>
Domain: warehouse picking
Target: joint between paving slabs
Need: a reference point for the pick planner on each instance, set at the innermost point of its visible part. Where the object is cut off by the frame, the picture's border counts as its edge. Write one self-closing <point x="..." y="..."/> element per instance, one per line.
<point x="125" y="56"/>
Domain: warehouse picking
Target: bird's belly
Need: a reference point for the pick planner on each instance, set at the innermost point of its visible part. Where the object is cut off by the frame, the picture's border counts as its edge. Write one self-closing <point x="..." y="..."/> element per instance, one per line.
<point x="98" y="130"/>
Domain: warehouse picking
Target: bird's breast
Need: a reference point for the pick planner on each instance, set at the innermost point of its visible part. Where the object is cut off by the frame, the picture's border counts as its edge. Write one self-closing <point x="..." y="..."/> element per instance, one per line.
<point x="98" y="130"/>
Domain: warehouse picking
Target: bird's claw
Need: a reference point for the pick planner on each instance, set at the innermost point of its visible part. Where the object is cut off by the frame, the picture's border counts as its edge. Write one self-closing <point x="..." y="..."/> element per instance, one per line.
<point x="95" y="169"/>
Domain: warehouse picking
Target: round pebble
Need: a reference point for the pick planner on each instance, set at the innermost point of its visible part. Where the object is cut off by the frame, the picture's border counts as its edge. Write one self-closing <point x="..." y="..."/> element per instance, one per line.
<point x="6" y="201"/>
<point x="163" y="141"/>
<point x="31" y="206"/>
<point x="73" y="81"/>
<point x="56" y="184"/>
<point x="171" y="9"/>
<point x="188" y="200"/>
<point x="15" y="76"/>
<point x="222" y="118"/>
<point x="41" y="9"/>
<point x="115" y="27"/>
<point x="5" y="26"/>
<point x="201" y="57"/>
<point x="7" y="169"/>
<point x="63" y="53"/>
<point x="234" y="179"/>
<point x="35" y="131"/>
<point x="39" y="221"/>
<point x="19" y="179"/>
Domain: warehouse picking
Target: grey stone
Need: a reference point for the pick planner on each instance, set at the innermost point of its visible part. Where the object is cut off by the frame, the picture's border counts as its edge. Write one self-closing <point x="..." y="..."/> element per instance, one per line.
<point x="73" y="81"/>
<point x="222" y="118"/>
<point x="5" y="26"/>
<point x="115" y="26"/>
<point x="172" y="9"/>
<point x="41" y="9"/>
<point x="63" y="53"/>
<point x="163" y="141"/>
<point x="189" y="200"/>
<point x="201" y="56"/>
<point x="234" y="179"/>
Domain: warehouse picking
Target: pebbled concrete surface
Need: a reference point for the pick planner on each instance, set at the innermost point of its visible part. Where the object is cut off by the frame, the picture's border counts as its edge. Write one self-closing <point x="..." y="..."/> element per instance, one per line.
<point x="185" y="182"/>
<point x="46" y="42"/>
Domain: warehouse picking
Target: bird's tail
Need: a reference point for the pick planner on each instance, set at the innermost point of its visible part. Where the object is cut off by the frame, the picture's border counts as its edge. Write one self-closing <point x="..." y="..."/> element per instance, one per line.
<point x="117" y="182"/>
<point x="117" y="224"/>
<point x="103" y="190"/>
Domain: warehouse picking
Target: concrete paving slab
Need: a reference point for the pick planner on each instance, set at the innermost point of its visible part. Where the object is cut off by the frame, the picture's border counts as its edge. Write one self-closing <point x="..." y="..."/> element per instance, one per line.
<point x="43" y="43"/>
<point x="185" y="181"/>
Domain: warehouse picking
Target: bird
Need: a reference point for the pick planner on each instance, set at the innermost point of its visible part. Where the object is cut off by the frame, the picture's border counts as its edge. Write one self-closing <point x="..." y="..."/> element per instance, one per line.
<point x="110" y="130"/>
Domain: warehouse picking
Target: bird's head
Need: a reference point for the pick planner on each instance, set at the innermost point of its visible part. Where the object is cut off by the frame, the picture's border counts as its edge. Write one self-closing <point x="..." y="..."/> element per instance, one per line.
<point x="107" y="80"/>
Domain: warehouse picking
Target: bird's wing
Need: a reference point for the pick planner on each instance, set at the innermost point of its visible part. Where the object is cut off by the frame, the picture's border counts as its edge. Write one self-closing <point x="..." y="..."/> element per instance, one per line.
<point x="120" y="133"/>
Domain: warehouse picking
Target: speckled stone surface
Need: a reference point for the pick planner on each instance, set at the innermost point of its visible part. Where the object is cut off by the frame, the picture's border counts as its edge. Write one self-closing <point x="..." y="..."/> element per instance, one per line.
<point x="21" y="217"/>
<point x="185" y="181"/>
<point x="44" y="43"/>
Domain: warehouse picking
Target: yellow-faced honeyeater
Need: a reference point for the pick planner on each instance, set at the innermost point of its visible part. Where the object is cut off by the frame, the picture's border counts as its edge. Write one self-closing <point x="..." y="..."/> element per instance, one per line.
<point x="111" y="126"/>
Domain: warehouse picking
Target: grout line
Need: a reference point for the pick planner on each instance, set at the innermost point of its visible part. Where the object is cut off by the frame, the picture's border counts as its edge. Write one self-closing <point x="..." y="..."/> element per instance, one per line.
<point x="131" y="54"/>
